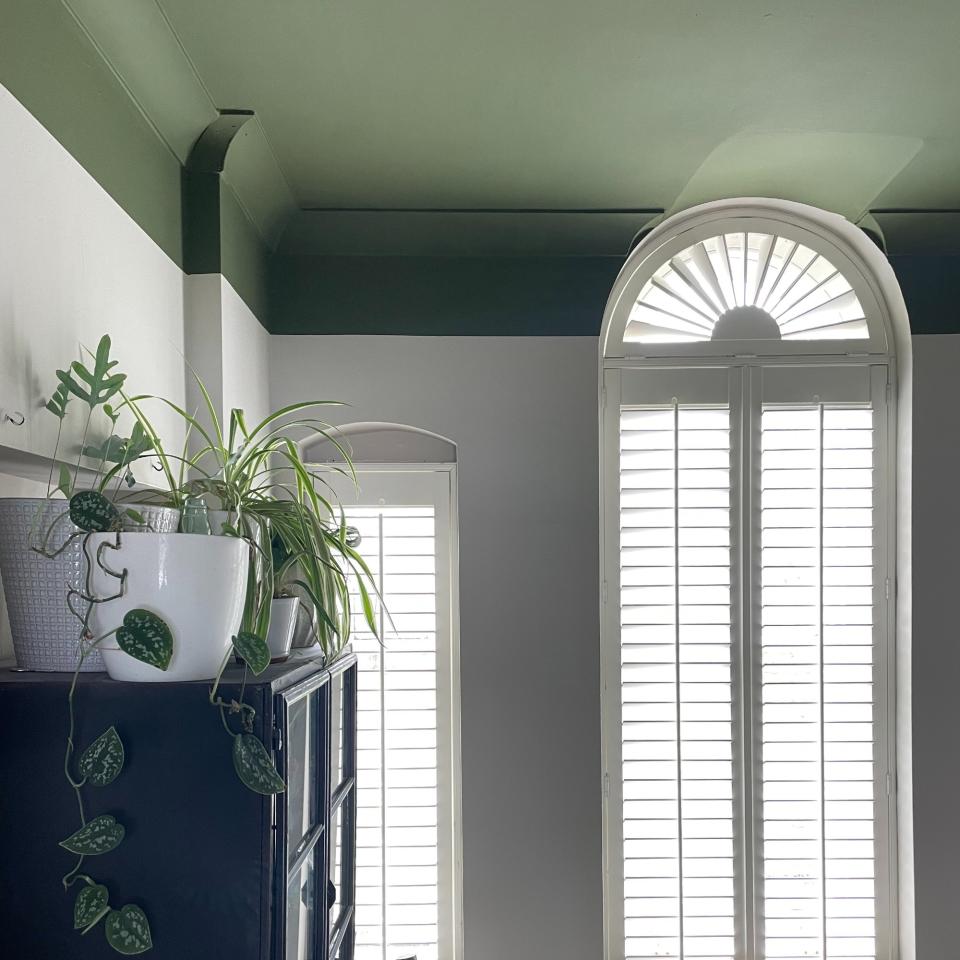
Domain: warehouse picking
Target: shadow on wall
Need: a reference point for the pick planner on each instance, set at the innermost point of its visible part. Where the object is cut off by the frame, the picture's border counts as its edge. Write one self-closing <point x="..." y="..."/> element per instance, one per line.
<point x="373" y="442"/>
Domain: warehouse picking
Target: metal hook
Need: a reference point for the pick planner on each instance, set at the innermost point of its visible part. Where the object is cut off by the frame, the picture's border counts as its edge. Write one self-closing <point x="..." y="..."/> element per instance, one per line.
<point x="12" y="417"/>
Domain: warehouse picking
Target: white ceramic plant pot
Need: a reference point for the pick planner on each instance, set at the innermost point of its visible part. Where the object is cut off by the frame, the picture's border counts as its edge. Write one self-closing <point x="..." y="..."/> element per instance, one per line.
<point x="44" y="631"/>
<point x="283" y="620"/>
<point x="194" y="582"/>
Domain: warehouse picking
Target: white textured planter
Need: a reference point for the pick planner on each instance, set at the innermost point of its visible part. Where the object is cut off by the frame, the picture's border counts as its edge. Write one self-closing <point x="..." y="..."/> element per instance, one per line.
<point x="193" y="582"/>
<point x="44" y="631"/>
<point x="283" y="620"/>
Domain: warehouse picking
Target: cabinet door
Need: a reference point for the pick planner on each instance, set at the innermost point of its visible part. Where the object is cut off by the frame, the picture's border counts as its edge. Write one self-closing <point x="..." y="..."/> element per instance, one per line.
<point x="343" y="816"/>
<point x="301" y="853"/>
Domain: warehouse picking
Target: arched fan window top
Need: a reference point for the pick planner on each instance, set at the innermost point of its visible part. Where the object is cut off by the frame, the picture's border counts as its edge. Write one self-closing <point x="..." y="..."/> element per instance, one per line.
<point x="746" y="286"/>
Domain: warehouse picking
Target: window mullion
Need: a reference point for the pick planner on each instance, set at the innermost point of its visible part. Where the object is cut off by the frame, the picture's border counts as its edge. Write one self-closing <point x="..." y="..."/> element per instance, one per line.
<point x="745" y="561"/>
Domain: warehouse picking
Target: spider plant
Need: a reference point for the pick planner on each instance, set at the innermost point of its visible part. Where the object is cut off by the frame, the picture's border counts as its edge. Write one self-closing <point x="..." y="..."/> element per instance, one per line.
<point x="258" y="476"/>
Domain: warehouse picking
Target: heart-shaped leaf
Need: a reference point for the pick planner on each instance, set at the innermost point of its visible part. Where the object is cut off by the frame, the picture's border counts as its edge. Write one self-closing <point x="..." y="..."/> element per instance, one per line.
<point x="254" y="766"/>
<point x="128" y="930"/>
<point x="253" y="649"/>
<point x="103" y="759"/>
<point x="91" y="905"/>
<point x="93" y="512"/>
<point x="100" y="835"/>
<point x="145" y="637"/>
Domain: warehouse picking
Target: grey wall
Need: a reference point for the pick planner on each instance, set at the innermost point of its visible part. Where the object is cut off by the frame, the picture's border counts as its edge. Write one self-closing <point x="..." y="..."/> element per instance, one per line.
<point x="523" y="413"/>
<point x="936" y="645"/>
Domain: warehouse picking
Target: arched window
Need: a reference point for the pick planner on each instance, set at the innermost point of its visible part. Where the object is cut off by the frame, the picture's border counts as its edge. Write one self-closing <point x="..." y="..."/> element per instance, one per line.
<point x="748" y="428"/>
<point x="408" y="884"/>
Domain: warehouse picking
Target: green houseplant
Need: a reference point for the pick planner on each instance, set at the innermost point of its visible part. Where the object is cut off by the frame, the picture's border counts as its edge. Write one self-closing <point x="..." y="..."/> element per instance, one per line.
<point x="269" y="496"/>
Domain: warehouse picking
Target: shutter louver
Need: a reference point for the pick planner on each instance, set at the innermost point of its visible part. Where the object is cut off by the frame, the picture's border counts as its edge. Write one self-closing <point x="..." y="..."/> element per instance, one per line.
<point x="676" y="683"/>
<point x="398" y="886"/>
<point x="817" y="683"/>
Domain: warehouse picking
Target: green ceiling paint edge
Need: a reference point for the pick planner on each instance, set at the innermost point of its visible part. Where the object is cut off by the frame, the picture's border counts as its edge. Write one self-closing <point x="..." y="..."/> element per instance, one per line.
<point x="47" y="63"/>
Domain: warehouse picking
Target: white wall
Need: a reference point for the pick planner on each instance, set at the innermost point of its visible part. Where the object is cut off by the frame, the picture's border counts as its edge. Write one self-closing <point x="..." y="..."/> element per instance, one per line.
<point x="523" y="413"/>
<point x="74" y="266"/>
<point x="228" y="349"/>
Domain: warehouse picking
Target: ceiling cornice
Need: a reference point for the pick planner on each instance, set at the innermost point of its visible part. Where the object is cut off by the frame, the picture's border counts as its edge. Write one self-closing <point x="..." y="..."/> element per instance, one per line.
<point x="142" y="50"/>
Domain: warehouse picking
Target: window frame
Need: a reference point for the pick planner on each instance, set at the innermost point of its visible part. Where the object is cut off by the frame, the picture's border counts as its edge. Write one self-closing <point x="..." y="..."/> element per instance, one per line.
<point x="432" y="484"/>
<point x="810" y="376"/>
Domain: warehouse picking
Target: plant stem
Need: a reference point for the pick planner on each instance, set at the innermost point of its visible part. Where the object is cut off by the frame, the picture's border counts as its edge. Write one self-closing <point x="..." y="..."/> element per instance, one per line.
<point x="53" y="462"/>
<point x="83" y="443"/>
<point x="68" y="756"/>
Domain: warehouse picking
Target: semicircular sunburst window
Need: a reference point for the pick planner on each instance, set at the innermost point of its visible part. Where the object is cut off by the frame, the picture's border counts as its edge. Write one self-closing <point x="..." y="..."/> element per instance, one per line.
<point x="746" y="286"/>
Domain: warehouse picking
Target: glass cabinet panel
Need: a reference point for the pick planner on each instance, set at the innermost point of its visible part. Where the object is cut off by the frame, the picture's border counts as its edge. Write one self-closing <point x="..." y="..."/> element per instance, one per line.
<point x="336" y="730"/>
<point x="301" y="911"/>
<point x="303" y="753"/>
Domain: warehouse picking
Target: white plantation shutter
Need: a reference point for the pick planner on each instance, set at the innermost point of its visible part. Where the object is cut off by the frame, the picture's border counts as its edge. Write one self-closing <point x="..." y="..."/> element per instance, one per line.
<point x="676" y="683"/>
<point x="817" y="704"/>
<point x="405" y="841"/>
<point x="749" y="810"/>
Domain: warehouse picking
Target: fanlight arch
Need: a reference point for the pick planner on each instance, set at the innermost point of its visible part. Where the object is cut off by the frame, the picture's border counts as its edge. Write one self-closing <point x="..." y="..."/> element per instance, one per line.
<point x="750" y="276"/>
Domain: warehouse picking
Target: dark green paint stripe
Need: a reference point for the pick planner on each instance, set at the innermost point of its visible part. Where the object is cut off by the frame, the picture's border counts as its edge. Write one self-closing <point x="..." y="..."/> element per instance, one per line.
<point x="515" y="296"/>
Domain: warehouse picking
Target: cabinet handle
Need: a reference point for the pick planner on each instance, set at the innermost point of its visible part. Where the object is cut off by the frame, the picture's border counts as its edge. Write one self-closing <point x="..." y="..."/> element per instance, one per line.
<point x="15" y="417"/>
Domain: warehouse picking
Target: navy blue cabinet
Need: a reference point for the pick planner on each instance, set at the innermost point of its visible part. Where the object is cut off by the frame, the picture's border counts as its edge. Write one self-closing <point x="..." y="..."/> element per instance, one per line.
<point x="220" y="871"/>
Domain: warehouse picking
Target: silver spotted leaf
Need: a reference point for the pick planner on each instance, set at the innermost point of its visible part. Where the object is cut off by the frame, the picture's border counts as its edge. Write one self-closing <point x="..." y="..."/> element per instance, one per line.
<point x="103" y="759"/>
<point x="254" y="766"/>
<point x="253" y="649"/>
<point x="145" y="637"/>
<point x="128" y="930"/>
<point x="100" y="835"/>
<point x="90" y="906"/>
<point x="93" y="512"/>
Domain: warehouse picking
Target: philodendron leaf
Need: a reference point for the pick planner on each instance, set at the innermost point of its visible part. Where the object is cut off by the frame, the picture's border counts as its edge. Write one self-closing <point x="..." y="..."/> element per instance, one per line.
<point x="128" y="930"/>
<point x="145" y="637"/>
<point x="93" y="512"/>
<point x="254" y="766"/>
<point x="90" y="906"/>
<point x="103" y="759"/>
<point x="253" y="649"/>
<point x="100" y="835"/>
<point x="57" y="404"/>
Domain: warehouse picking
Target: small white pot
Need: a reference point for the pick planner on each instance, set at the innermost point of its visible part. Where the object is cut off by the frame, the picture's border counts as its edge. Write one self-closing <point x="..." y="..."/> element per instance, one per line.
<point x="283" y="620"/>
<point x="195" y="583"/>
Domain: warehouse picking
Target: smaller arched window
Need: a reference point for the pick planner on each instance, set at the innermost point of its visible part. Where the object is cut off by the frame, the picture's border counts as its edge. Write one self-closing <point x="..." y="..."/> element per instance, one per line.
<point x="403" y="504"/>
<point x="748" y="420"/>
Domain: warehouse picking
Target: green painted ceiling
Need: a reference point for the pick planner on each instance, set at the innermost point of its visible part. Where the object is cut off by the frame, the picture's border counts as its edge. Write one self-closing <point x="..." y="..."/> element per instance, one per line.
<point x="372" y="115"/>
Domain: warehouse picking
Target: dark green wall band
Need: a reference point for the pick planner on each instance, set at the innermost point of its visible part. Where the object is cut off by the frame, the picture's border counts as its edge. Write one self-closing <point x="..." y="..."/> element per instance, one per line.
<point x="510" y="296"/>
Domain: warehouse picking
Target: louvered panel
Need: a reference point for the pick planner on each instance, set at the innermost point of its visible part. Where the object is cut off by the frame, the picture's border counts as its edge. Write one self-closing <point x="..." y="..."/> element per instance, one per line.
<point x="676" y="687"/>
<point x="817" y="683"/>
<point x="397" y="790"/>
